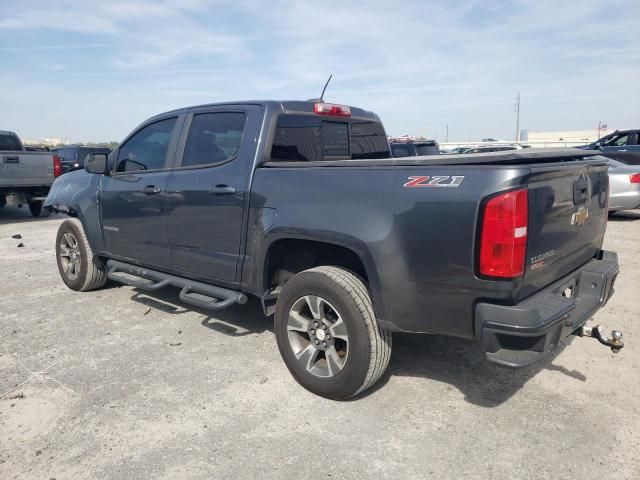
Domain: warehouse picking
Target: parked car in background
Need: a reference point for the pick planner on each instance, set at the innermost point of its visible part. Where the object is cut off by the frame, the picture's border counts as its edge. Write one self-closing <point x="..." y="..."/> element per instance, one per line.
<point x="25" y="176"/>
<point x="624" y="186"/>
<point x="455" y="151"/>
<point x="72" y="157"/>
<point x="623" y="145"/>
<point x="492" y="148"/>
<point x="414" y="149"/>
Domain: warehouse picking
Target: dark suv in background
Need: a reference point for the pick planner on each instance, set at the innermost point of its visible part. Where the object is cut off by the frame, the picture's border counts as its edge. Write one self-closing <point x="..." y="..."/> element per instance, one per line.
<point x="72" y="157"/>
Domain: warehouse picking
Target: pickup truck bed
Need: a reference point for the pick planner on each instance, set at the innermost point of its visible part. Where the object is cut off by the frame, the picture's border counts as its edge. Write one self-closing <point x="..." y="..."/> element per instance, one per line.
<point x="303" y="208"/>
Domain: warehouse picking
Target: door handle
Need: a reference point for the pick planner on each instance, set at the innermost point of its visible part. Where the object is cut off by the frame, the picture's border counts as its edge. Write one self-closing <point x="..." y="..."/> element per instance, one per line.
<point x="150" y="190"/>
<point x="222" y="190"/>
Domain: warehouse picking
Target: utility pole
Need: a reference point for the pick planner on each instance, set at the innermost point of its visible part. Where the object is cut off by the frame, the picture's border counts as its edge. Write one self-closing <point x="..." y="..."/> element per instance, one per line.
<point x="446" y="136"/>
<point x="518" y="117"/>
<point x="599" y="128"/>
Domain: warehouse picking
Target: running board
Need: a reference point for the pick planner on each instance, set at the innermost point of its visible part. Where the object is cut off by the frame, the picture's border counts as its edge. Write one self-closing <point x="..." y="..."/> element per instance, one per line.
<point x="192" y="292"/>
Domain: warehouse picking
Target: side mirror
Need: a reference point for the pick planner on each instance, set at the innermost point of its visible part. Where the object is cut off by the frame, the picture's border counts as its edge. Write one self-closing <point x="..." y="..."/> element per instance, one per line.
<point x="96" y="163"/>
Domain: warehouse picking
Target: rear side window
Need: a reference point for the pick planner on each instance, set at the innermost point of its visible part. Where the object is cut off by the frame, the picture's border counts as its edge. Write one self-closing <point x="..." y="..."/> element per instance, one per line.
<point x="147" y="149"/>
<point x="307" y="138"/>
<point x="9" y="142"/>
<point x="213" y="138"/>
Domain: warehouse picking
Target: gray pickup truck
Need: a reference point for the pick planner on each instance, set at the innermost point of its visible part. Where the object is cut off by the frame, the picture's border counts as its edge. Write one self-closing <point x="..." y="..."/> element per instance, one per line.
<point x="25" y="176"/>
<point x="299" y="204"/>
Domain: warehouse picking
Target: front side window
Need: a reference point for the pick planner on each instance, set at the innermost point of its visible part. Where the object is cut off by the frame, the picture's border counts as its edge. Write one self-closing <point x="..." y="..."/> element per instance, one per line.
<point x="616" y="140"/>
<point x="213" y="138"/>
<point x="147" y="149"/>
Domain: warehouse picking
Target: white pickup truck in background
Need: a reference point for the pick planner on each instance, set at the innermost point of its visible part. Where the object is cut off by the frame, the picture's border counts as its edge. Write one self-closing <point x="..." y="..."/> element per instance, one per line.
<point x="25" y="176"/>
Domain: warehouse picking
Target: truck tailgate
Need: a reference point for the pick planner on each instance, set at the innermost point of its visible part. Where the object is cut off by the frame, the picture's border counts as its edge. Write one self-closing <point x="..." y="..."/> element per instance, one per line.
<point x="22" y="169"/>
<point x="567" y="219"/>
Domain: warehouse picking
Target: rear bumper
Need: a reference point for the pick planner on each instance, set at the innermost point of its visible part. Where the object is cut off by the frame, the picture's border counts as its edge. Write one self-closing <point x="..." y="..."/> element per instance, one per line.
<point x="519" y="335"/>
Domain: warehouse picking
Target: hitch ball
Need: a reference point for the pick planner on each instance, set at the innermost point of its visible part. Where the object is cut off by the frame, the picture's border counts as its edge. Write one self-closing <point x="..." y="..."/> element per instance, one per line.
<point x="614" y="342"/>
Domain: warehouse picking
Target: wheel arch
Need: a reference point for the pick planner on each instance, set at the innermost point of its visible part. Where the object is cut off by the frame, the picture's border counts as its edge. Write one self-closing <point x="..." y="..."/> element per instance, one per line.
<point x="290" y="254"/>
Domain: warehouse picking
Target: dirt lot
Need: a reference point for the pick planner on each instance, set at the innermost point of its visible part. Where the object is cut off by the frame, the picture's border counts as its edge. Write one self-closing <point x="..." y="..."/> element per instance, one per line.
<point x="138" y="386"/>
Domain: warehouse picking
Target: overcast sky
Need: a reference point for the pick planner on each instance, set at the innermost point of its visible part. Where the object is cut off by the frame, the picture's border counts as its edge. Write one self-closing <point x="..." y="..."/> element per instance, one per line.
<point x="92" y="71"/>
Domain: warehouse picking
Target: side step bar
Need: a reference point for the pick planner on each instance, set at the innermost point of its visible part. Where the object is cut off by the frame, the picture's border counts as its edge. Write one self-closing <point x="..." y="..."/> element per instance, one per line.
<point x="193" y="292"/>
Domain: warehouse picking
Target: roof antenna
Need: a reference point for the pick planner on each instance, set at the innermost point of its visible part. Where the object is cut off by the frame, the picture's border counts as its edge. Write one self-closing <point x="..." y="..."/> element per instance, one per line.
<point x="325" y="87"/>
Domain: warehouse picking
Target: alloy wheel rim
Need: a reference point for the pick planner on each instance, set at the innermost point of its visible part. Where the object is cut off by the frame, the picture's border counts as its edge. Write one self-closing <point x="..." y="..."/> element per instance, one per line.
<point x="318" y="336"/>
<point x="70" y="256"/>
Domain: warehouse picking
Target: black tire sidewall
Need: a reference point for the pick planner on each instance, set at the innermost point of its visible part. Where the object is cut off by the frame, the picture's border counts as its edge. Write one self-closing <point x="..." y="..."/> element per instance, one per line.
<point x="351" y="378"/>
<point x="35" y="208"/>
<point x="78" y="282"/>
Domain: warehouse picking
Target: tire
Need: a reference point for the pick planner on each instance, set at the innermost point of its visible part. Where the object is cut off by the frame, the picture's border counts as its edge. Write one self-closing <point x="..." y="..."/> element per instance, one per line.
<point x="87" y="271"/>
<point x="37" y="211"/>
<point x="340" y="366"/>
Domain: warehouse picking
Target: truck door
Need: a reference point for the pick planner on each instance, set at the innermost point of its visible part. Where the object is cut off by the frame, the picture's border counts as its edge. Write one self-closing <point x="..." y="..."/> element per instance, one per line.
<point x="133" y="196"/>
<point x="208" y="188"/>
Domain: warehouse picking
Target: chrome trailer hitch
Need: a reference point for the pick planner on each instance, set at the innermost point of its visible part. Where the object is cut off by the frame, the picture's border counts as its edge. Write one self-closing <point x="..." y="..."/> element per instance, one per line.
<point x="614" y="342"/>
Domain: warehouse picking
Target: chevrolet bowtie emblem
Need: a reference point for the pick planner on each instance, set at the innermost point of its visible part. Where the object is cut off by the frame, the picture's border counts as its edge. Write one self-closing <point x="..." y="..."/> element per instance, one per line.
<point x="580" y="216"/>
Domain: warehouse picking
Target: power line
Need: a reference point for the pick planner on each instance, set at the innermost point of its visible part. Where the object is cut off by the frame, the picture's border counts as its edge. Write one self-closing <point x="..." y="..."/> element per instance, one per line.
<point x="518" y="117"/>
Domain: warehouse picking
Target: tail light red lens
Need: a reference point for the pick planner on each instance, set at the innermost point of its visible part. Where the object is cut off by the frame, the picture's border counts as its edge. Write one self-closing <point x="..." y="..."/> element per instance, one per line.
<point x="503" y="238"/>
<point x="57" y="166"/>
<point x="332" y="109"/>
<point x="634" y="178"/>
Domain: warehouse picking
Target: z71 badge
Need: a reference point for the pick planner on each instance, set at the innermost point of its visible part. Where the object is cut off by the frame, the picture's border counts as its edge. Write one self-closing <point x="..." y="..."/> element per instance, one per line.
<point x="434" y="181"/>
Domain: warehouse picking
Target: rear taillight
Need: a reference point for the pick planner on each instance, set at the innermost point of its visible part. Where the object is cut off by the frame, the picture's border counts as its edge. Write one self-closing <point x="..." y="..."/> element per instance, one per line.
<point x="634" y="178"/>
<point x="503" y="238"/>
<point x="57" y="166"/>
<point x="332" y="109"/>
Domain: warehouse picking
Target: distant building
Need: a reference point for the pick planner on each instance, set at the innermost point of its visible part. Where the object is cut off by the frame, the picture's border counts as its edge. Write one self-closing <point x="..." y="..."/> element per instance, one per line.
<point x="577" y="137"/>
<point x="49" y="141"/>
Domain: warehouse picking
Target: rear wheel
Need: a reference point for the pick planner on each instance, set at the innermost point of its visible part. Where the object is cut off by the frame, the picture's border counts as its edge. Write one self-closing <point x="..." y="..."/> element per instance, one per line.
<point x="37" y="211"/>
<point x="79" y="268"/>
<point x="327" y="333"/>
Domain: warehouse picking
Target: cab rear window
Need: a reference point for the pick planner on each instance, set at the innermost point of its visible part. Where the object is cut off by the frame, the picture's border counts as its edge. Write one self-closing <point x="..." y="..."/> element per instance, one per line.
<point x="308" y="138"/>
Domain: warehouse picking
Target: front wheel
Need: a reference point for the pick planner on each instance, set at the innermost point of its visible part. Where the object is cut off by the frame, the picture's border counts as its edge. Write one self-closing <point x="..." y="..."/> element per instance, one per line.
<point x="327" y="333"/>
<point x="79" y="268"/>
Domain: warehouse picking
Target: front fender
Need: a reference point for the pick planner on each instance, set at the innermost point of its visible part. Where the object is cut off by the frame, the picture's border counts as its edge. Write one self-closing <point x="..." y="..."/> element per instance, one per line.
<point x="77" y="194"/>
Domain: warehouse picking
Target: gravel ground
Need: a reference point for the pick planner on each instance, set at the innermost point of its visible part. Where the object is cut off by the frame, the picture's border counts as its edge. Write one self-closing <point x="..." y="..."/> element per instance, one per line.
<point x="138" y="386"/>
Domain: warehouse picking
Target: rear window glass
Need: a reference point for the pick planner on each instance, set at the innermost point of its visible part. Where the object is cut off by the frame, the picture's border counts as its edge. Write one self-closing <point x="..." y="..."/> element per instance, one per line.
<point x="9" y="142"/>
<point x="403" y="150"/>
<point x="426" y="150"/>
<point x="311" y="138"/>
